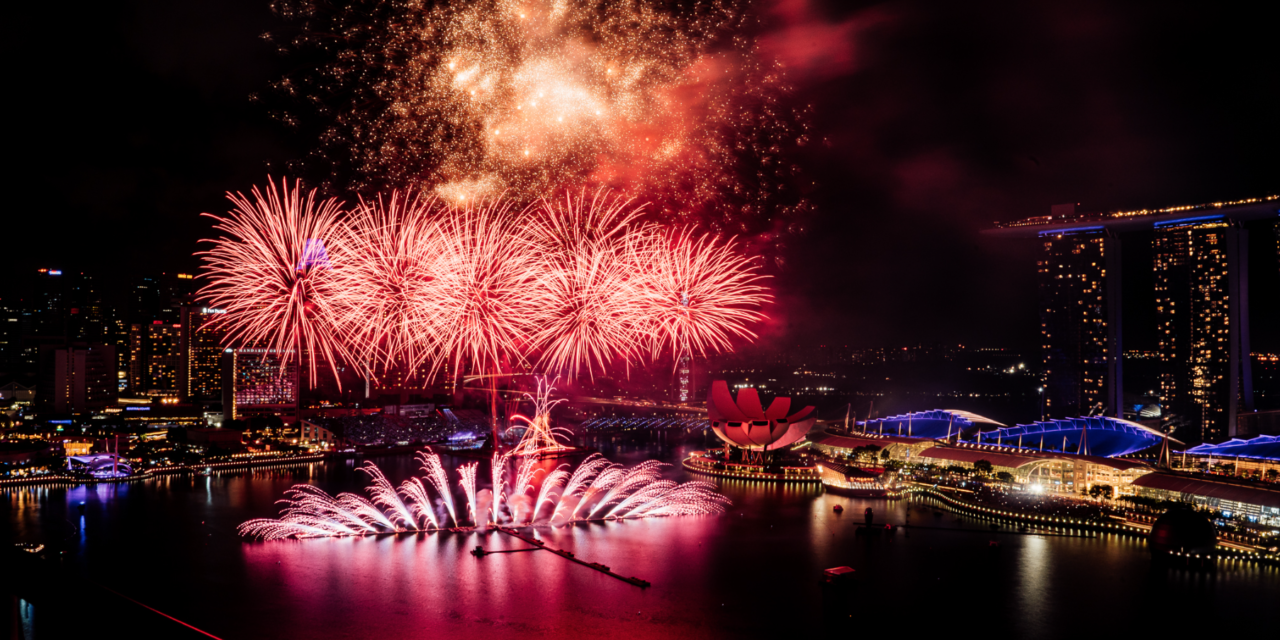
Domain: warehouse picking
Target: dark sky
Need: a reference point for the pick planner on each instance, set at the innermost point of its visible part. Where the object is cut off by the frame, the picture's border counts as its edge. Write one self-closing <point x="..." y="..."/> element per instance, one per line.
<point x="129" y="119"/>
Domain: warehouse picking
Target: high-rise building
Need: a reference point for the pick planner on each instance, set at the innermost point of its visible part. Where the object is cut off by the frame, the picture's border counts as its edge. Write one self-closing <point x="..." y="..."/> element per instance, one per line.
<point x="1202" y="291"/>
<point x="1203" y="331"/>
<point x="1078" y="276"/>
<point x="155" y="359"/>
<point x="255" y="382"/>
<point x="80" y="378"/>
<point x="200" y="377"/>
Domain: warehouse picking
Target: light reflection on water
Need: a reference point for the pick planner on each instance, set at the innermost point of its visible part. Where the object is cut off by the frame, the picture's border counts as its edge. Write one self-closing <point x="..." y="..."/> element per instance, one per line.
<point x="752" y="572"/>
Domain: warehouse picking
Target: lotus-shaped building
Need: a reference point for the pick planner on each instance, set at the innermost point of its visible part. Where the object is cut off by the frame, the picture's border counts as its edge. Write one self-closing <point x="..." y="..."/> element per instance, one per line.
<point x="744" y="423"/>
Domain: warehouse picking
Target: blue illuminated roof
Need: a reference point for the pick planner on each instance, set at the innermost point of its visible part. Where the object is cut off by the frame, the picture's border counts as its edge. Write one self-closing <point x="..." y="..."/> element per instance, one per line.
<point x="1261" y="447"/>
<point x="938" y="423"/>
<point x="1107" y="437"/>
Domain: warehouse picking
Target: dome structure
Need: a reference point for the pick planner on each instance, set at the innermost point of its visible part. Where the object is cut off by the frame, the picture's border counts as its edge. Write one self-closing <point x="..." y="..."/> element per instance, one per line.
<point x="744" y="423"/>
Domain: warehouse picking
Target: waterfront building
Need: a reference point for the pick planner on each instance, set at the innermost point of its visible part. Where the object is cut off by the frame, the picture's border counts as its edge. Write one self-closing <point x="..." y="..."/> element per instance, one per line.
<point x="1203" y="322"/>
<point x="938" y="423"/>
<point x="1254" y="502"/>
<point x="200" y="374"/>
<point x="256" y="382"/>
<point x="155" y="359"/>
<point x="1078" y="276"/>
<point x="1201" y="258"/>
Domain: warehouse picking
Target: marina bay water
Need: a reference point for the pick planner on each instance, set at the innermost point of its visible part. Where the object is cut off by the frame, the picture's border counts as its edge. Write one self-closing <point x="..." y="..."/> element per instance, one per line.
<point x="170" y="544"/>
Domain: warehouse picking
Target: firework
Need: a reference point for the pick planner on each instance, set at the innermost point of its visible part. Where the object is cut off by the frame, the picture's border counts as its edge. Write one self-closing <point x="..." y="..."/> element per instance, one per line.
<point x="388" y="291"/>
<point x="698" y="293"/>
<point x="590" y="311"/>
<point x="487" y="287"/>
<point x="539" y="436"/>
<point x="272" y="274"/>
<point x="437" y="477"/>
<point x="596" y="490"/>
<point x="401" y="282"/>
<point x="670" y="101"/>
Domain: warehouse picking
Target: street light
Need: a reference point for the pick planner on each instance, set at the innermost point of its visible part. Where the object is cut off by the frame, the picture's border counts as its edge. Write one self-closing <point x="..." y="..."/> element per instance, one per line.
<point x="1041" y="390"/>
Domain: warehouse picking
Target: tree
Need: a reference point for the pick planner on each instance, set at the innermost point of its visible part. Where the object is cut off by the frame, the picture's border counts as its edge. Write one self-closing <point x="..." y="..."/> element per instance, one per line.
<point x="1103" y="491"/>
<point x="983" y="466"/>
<point x="1005" y="476"/>
<point x="1273" y="475"/>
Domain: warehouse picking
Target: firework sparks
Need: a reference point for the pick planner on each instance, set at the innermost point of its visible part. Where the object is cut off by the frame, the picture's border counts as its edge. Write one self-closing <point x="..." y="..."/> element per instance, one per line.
<point x="590" y="309"/>
<point x="596" y="490"/>
<point x="387" y="293"/>
<point x="273" y="275"/>
<point x="672" y="101"/>
<point x="539" y="436"/>
<point x="698" y="293"/>
<point x="487" y="295"/>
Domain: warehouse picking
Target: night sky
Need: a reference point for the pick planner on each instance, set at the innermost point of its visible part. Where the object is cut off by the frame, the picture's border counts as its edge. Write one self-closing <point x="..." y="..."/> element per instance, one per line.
<point x="127" y="120"/>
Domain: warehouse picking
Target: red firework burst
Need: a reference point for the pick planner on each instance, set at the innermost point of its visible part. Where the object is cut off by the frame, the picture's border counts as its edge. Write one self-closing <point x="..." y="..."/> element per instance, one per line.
<point x="589" y="309"/>
<point x="272" y="273"/>
<point x="696" y="293"/>
<point x="389" y="302"/>
<point x="488" y="287"/>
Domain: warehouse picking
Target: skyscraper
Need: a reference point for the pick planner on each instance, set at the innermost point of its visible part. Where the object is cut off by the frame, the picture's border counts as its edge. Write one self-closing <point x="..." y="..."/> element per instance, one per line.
<point x="155" y="358"/>
<point x="1202" y="323"/>
<point x="200" y="376"/>
<point x="1202" y="290"/>
<point x="1079" y="289"/>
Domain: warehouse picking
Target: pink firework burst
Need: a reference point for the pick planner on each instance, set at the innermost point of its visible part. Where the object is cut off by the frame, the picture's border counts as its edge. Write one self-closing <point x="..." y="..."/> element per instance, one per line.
<point x="272" y="273"/>
<point x="388" y="298"/>
<point x="697" y="293"/>
<point x="488" y="293"/>
<point x="589" y="307"/>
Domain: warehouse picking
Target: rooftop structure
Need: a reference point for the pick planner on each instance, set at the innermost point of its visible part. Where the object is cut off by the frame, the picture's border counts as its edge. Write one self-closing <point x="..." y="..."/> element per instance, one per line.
<point x="1261" y="447"/>
<point x="1066" y="218"/>
<point x="744" y="423"/>
<point x="1100" y="436"/>
<point x="938" y="423"/>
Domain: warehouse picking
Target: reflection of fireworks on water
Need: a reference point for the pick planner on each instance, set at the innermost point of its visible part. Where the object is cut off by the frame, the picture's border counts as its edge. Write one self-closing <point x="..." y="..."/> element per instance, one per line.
<point x="596" y="490"/>
<point x="670" y="100"/>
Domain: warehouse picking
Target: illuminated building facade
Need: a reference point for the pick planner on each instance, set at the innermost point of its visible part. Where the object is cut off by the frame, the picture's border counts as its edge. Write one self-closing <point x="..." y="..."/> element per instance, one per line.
<point x="1078" y="276"/>
<point x="200" y="376"/>
<point x="684" y="379"/>
<point x="1203" y="323"/>
<point x="1201" y="273"/>
<point x="155" y="359"/>
<point x="254" y="382"/>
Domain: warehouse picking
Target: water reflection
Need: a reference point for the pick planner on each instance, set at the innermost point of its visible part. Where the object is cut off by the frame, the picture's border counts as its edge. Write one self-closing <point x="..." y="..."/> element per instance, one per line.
<point x="752" y="572"/>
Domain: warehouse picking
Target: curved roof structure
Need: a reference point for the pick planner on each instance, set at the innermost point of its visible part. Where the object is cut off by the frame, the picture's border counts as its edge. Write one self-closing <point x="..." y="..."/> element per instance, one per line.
<point x="938" y="423"/>
<point x="1102" y="436"/>
<point x="1013" y="458"/>
<point x="1202" y="486"/>
<point x="744" y="423"/>
<point x="1261" y="447"/>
